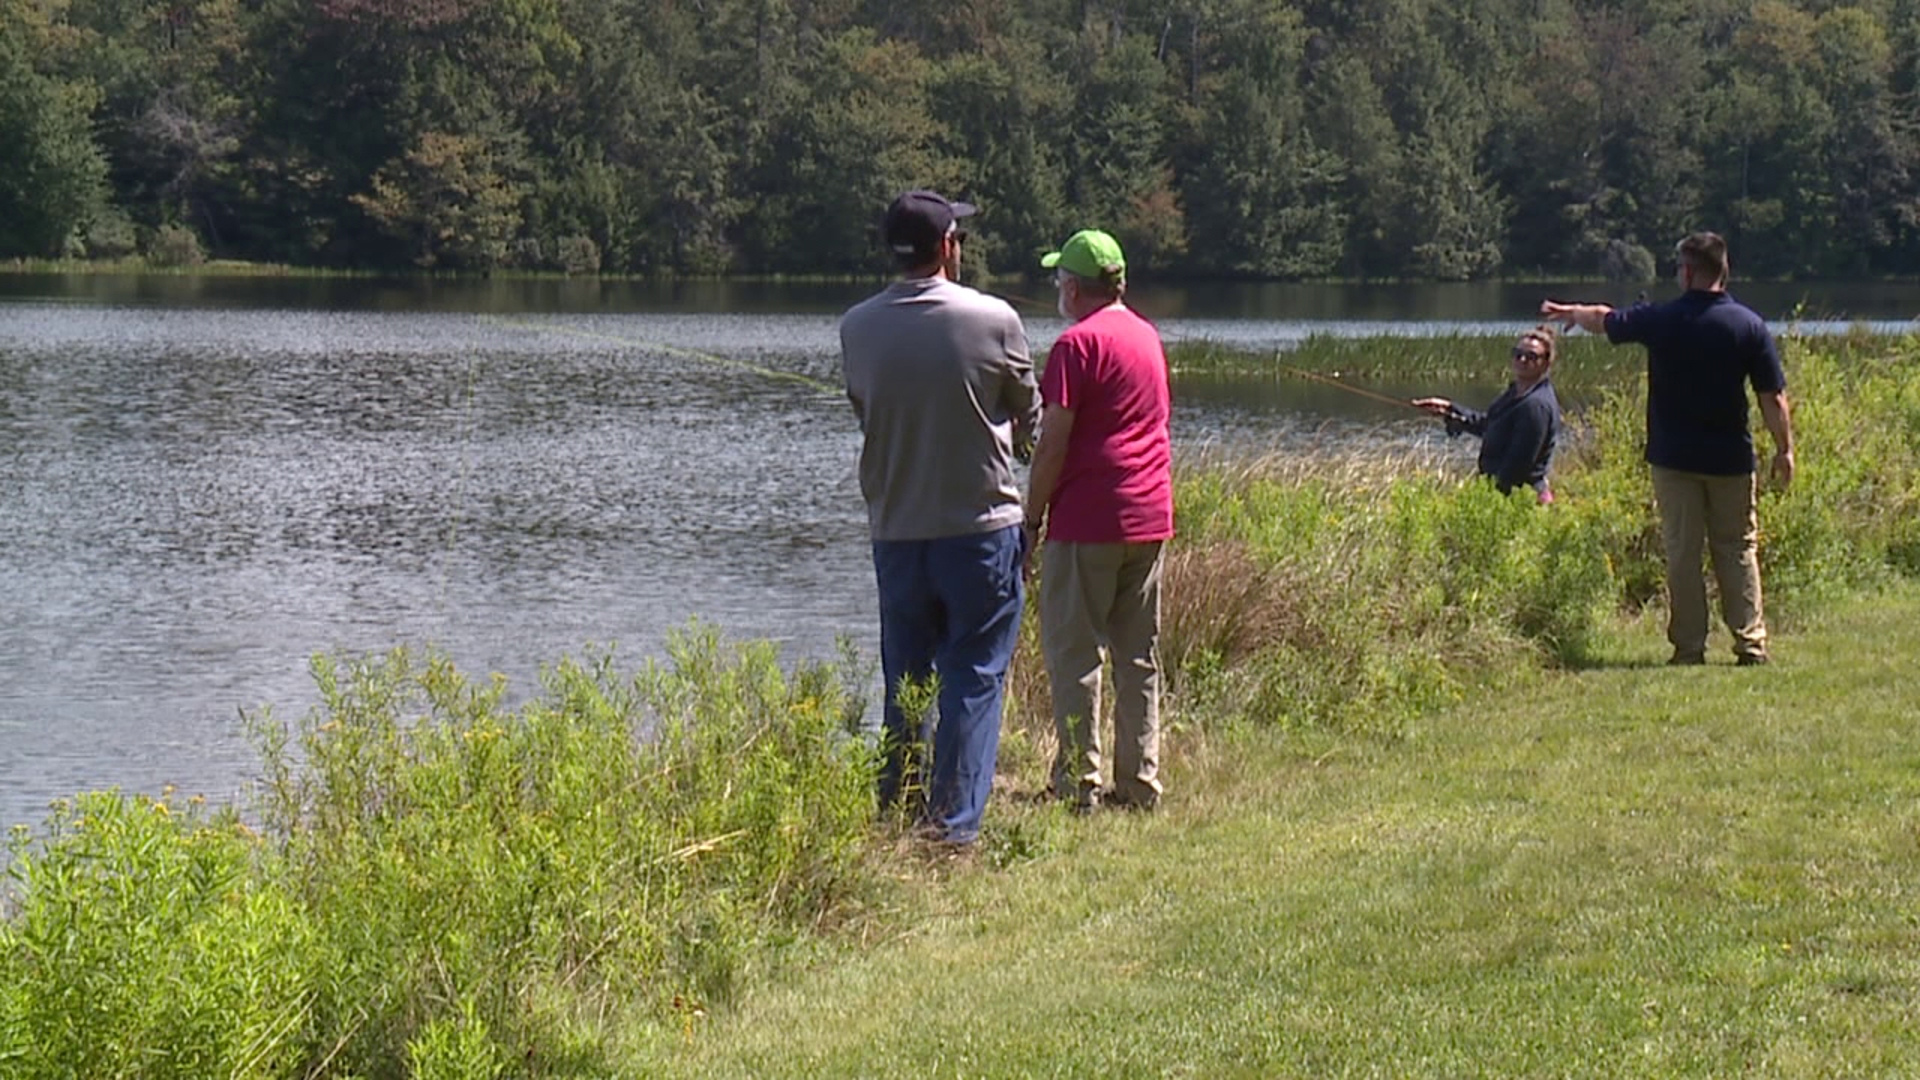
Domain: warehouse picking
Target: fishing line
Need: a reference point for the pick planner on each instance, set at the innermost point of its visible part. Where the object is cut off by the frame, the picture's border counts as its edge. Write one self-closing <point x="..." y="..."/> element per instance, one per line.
<point x="1019" y="298"/>
<point x="762" y="370"/>
<point x="466" y="419"/>
<point x="1310" y="375"/>
<point x="460" y="485"/>
<point x="1327" y="380"/>
<point x="1053" y="309"/>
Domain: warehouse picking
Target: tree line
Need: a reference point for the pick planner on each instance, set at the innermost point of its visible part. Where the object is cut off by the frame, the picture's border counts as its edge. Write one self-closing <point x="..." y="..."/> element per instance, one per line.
<point x="1434" y="139"/>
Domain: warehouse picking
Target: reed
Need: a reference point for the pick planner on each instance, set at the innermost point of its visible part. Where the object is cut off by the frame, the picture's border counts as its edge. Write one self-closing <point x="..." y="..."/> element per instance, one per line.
<point x="1586" y="368"/>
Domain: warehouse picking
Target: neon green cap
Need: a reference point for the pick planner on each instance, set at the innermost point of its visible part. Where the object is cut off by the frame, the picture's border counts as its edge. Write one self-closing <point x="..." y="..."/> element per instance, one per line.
<point x="1089" y="253"/>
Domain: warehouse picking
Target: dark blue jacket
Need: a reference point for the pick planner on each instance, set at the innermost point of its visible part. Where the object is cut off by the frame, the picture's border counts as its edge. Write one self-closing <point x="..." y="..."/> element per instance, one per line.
<point x="1703" y="348"/>
<point x="1517" y="433"/>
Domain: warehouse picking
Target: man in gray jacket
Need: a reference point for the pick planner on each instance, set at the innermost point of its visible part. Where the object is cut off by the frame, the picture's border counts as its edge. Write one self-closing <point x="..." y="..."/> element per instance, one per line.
<point x="942" y="382"/>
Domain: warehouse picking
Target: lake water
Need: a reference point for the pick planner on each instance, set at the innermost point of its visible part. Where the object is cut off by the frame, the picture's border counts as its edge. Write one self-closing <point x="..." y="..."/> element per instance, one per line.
<point x="204" y="481"/>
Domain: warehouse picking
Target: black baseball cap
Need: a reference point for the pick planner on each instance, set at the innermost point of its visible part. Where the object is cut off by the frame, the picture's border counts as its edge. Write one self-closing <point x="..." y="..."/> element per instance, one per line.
<point x="918" y="221"/>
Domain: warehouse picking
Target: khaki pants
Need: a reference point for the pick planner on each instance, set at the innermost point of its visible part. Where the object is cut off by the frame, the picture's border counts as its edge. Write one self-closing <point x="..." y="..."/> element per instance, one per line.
<point x="1719" y="510"/>
<point x="1100" y="599"/>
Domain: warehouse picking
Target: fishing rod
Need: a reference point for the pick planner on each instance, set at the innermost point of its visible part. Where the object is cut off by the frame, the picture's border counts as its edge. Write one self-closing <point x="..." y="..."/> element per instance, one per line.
<point x="1333" y="382"/>
<point x="466" y="421"/>
<point x="1029" y="301"/>
<point x="1048" y="307"/>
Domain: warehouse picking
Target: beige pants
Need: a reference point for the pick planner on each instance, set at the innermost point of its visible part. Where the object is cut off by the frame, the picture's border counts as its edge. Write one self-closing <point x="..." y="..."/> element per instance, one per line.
<point x="1718" y="510"/>
<point x="1099" y="600"/>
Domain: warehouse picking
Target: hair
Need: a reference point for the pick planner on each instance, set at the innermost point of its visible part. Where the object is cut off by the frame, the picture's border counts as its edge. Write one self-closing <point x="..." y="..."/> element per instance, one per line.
<point x="1705" y="253"/>
<point x="921" y="258"/>
<point x="1548" y="340"/>
<point x="915" y="259"/>
<point x="1109" y="286"/>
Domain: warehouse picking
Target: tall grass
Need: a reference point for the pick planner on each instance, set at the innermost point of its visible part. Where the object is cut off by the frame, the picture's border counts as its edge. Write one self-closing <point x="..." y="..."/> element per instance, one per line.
<point x="1449" y="356"/>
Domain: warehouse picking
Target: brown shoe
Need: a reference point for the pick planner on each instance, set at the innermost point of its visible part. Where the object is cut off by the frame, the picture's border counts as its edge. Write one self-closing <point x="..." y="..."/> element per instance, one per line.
<point x="1752" y="659"/>
<point x="1141" y="797"/>
<point x="1085" y="800"/>
<point x="1680" y="659"/>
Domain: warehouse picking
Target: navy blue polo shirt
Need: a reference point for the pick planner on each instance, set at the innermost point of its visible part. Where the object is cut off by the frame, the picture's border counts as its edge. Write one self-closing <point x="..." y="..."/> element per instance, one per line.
<point x="1517" y="433"/>
<point x="1703" y="349"/>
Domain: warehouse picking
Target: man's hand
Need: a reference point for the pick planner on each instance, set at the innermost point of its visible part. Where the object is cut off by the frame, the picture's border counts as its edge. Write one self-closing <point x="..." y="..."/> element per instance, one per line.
<point x="1555" y="311"/>
<point x="1589" y="317"/>
<point x="1438" y="406"/>
<point x="1777" y="413"/>
<point x="1029" y="543"/>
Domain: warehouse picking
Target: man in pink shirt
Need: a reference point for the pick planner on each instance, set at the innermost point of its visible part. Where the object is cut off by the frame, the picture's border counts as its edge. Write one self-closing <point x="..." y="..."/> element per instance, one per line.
<point x="1102" y="491"/>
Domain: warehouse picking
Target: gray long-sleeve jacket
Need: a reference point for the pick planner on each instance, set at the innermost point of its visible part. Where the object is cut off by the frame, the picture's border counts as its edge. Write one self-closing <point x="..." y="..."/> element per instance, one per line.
<point x="942" y="382"/>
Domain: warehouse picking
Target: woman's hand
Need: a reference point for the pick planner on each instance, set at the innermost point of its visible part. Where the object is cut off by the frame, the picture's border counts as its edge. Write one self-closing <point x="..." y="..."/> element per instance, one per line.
<point x="1438" y="406"/>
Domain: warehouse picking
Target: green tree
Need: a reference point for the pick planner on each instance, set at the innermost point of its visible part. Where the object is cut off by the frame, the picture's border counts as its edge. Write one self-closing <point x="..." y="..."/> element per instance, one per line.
<point x="1263" y="196"/>
<point x="1348" y="113"/>
<point x="1454" y="218"/>
<point x="1000" y="112"/>
<point x="1113" y="148"/>
<point x="1872" y="161"/>
<point x="55" y="177"/>
<point x="447" y="200"/>
<point x="1770" y="128"/>
<point x="861" y="134"/>
<point x="1427" y="138"/>
<point x="174" y="106"/>
<point x="1600" y="155"/>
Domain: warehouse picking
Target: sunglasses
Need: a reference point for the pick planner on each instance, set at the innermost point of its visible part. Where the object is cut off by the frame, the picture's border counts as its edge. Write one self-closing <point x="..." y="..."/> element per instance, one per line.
<point x="1528" y="355"/>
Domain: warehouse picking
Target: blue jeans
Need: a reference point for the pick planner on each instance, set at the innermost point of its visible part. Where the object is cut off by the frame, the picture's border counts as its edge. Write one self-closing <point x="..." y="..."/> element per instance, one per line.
<point x="949" y="607"/>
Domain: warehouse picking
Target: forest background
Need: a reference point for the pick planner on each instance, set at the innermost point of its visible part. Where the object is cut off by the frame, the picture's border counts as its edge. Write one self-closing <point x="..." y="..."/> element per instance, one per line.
<point x="1431" y="139"/>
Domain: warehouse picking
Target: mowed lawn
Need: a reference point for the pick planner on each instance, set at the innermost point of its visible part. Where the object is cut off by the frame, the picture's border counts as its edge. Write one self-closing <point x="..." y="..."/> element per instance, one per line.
<point x="1625" y="871"/>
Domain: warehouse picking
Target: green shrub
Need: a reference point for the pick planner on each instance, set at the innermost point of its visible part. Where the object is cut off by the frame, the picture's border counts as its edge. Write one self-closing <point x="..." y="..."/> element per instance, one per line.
<point x="152" y="940"/>
<point x="442" y="886"/>
<point x="1847" y="520"/>
<point x="1624" y="260"/>
<point x="175" y="246"/>
<point x="577" y="254"/>
<point x="619" y="838"/>
<point x="1356" y="605"/>
<point x="110" y="235"/>
<point x="455" y="1048"/>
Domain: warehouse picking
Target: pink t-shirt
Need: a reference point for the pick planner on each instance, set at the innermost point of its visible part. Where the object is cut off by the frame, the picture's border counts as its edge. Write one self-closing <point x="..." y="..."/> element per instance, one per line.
<point x="1117" y="483"/>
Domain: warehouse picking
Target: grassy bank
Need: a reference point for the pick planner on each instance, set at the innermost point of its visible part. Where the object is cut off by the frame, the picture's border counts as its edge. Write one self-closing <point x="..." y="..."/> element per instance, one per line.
<point x="1436" y="813"/>
<point x="434" y="885"/>
<point x="1623" y="871"/>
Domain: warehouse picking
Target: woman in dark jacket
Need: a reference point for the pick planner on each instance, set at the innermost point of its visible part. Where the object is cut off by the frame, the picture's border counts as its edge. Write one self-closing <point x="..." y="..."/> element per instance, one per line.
<point x="1518" y="430"/>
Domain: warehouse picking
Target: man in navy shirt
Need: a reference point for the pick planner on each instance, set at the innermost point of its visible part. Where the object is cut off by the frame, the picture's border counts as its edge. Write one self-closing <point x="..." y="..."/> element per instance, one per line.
<point x="1703" y="349"/>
